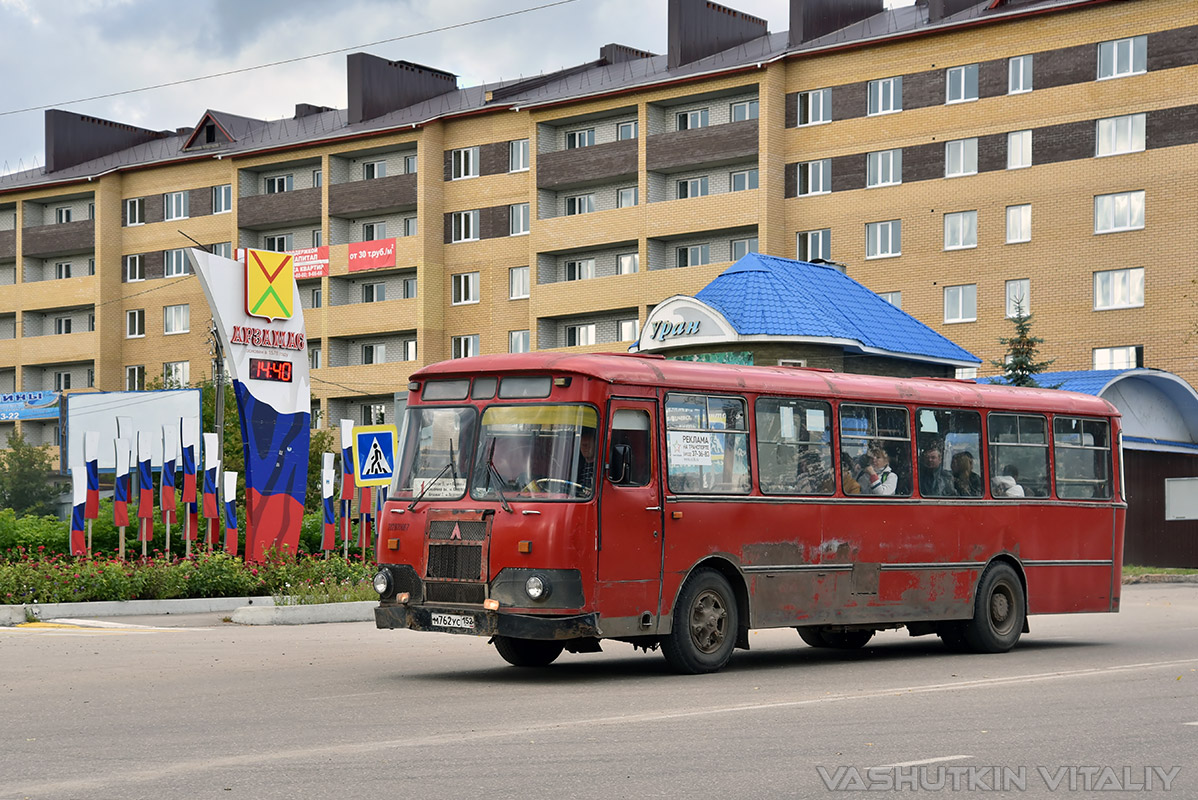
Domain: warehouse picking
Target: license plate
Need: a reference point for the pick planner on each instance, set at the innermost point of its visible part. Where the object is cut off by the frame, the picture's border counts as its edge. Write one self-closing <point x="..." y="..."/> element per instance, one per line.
<point x="453" y="621"/>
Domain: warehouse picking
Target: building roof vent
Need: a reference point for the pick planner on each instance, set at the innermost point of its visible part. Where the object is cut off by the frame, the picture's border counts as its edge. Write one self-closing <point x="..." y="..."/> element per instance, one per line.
<point x="811" y="19"/>
<point x="700" y="28"/>
<point x="378" y="86"/>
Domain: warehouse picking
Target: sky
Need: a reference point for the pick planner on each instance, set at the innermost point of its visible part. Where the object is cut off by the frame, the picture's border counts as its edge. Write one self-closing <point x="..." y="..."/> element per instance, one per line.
<point x="61" y="52"/>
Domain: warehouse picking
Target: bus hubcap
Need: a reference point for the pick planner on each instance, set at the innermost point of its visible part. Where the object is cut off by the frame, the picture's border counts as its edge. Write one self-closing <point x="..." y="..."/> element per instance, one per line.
<point x="1000" y="609"/>
<point x="708" y="622"/>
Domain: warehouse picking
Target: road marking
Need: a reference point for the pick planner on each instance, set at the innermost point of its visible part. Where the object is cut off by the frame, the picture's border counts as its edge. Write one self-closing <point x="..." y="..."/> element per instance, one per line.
<point x="209" y="764"/>
<point x="924" y="761"/>
<point x="1189" y="723"/>
<point x="88" y="627"/>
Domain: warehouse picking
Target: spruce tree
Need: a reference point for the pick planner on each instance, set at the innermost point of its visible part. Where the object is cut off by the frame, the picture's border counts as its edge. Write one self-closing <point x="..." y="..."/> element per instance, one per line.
<point x="1020" y="366"/>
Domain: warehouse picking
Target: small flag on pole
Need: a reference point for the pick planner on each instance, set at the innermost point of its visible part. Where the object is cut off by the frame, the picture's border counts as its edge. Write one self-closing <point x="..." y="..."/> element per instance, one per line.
<point x="189" y="437"/>
<point x="145" y="488"/>
<point x="78" y="540"/>
<point x="211" y="462"/>
<point x="231" y="513"/>
<point x="347" y="459"/>
<point x="380" y="501"/>
<point x="166" y="499"/>
<point x="364" y="529"/>
<point x="120" y="485"/>
<point x="91" y="455"/>
<point x="329" y="540"/>
<point x="193" y="520"/>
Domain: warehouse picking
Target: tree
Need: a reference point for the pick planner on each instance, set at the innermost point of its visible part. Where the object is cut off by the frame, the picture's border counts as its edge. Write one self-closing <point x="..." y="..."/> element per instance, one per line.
<point x="25" y="483"/>
<point x="1020" y="365"/>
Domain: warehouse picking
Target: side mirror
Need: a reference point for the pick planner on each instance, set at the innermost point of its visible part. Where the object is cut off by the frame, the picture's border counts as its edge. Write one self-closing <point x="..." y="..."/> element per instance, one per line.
<point x="620" y="467"/>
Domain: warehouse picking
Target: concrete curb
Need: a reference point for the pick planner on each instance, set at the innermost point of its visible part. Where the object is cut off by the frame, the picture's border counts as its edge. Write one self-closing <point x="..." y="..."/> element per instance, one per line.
<point x="360" y="611"/>
<point x="12" y="615"/>
<point x="130" y="608"/>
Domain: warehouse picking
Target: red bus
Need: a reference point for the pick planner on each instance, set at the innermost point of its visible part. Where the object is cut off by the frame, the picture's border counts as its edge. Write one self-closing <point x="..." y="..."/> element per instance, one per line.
<point x="549" y="501"/>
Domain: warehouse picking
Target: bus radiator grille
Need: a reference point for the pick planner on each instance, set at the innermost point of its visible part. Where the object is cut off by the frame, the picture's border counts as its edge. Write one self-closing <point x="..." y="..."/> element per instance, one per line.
<point x="468" y="530"/>
<point x="455" y="562"/>
<point x="474" y="593"/>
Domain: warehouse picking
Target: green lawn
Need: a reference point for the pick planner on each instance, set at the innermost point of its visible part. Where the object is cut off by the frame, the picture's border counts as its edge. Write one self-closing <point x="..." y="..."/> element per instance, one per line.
<point x="1129" y="569"/>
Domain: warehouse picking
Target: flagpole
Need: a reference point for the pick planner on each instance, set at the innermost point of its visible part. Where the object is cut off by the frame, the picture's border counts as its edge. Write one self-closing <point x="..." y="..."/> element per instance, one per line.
<point x="89" y="538"/>
<point x="122" y="543"/>
<point x="186" y="533"/>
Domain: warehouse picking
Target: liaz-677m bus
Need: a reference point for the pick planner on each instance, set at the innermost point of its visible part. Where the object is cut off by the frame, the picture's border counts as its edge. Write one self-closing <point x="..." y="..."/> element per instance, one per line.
<point x="551" y="501"/>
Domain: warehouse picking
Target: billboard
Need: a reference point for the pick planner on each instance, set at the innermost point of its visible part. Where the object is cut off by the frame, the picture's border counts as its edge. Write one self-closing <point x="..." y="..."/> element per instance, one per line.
<point x="29" y="405"/>
<point x="146" y="412"/>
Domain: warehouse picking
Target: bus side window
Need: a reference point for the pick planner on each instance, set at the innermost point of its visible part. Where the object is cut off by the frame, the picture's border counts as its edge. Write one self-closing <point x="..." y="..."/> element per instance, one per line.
<point x="1082" y="448"/>
<point x="884" y="428"/>
<point x="794" y="446"/>
<point x="1018" y="455"/>
<point x="950" y="452"/>
<point x="631" y="456"/>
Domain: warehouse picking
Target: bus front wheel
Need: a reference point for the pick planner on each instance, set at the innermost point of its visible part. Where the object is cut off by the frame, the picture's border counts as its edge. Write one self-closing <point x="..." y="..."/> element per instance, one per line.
<point x="705" y="625"/>
<point x="528" y="652"/>
<point x="999" y="610"/>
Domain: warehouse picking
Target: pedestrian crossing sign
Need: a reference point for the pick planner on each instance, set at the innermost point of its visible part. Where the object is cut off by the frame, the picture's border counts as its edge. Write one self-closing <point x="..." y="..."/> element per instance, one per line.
<point x="374" y="454"/>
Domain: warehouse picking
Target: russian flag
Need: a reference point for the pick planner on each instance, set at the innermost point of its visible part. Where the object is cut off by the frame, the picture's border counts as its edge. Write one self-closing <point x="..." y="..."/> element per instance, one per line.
<point x="211" y="462"/>
<point x="91" y="455"/>
<point x="328" y="541"/>
<point x="231" y="513"/>
<point x="189" y="436"/>
<point x="347" y="459"/>
<point x="166" y="499"/>
<point x="78" y="541"/>
<point x="193" y="515"/>
<point x="145" y="488"/>
<point x="120" y="485"/>
<point x="380" y="501"/>
<point x="364" y="535"/>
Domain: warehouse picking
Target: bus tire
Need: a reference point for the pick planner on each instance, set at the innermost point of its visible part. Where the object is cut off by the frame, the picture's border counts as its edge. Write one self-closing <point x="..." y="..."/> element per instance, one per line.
<point x="705" y="625"/>
<point x="837" y="640"/>
<point x="999" y="610"/>
<point x="528" y="652"/>
<point x="953" y="636"/>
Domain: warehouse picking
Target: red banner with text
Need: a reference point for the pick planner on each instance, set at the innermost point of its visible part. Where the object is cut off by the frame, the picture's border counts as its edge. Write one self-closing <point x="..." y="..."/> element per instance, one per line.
<point x="370" y="255"/>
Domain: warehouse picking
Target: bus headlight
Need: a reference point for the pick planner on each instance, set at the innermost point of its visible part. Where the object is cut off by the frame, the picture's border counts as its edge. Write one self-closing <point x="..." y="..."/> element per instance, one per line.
<point x="383" y="583"/>
<point x="536" y="587"/>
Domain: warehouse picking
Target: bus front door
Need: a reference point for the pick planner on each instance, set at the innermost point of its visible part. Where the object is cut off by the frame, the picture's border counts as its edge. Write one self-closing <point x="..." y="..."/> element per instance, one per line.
<point x="630" y="521"/>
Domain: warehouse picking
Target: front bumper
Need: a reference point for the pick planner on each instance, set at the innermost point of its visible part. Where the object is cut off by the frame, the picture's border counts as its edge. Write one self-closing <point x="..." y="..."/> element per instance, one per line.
<point x="480" y="622"/>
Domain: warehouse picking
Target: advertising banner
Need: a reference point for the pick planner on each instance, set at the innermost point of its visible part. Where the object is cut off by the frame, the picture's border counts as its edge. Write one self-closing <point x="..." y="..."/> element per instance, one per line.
<point x="371" y="255"/>
<point x="33" y="405"/>
<point x="310" y="262"/>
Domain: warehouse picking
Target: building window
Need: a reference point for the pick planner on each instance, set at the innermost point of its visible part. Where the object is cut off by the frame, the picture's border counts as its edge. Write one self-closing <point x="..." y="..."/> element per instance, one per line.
<point x="464" y="226"/>
<point x="894" y="298"/>
<point x="135" y="378"/>
<point x="689" y="120"/>
<point x="464" y="346"/>
<point x="628" y="330"/>
<point x="518" y="219"/>
<point x="1019" y="297"/>
<point x="517" y="156"/>
<point x="409" y="288"/>
<point x="743" y="180"/>
<point x="1019" y="75"/>
<point x="744" y="110"/>
<point x="1019" y="223"/>
<point x="626" y="131"/>
<point x="135" y="323"/>
<point x="313" y="357"/>
<point x="886" y="96"/>
<point x="374" y="169"/>
<point x="580" y="204"/>
<point x="518" y="341"/>
<point x="409" y="164"/>
<point x="627" y="197"/>
<point x="374" y="292"/>
<point x="176" y="263"/>
<point x="223" y="249"/>
<point x="884" y="168"/>
<point x="742" y="247"/>
<point x="464" y="163"/>
<point x="1119" y="357"/>
<point x="1122" y="57"/>
<point x="960" y="158"/>
<point x="175" y="205"/>
<point x="317" y="297"/>
<point x="409" y="226"/>
<point x="176" y="374"/>
<point x="62" y="325"/>
<point x="62" y="215"/>
<point x="815" y="177"/>
<point x="62" y="270"/>
<point x="883" y="239"/>
<point x="465" y="288"/>
<point x="579" y="335"/>
<point x="517" y="283"/>
<point x="693" y="256"/>
<point x="580" y="270"/>
<point x="628" y="263"/>
<point x="409" y="349"/>
<point x="62" y="381"/>
<point x="135" y="269"/>
<point x="810" y="245"/>
<point x="277" y="184"/>
<point x="1019" y="149"/>
<point x="962" y="84"/>
<point x="374" y="414"/>
<point x="815" y="107"/>
<point x="317" y="238"/>
<point x="1119" y="288"/>
<point x="374" y="353"/>
<point x="692" y="187"/>
<point x="176" y="319"/>
<point x="577" y="139"/>
<point x="222" y="199"/>
<point x="960" y="230"/>
<point x="91" y="322"/>
<point x="961" y="303"/>
<point x="372" y="231"/>
<point x="1117" y="135"/>
<point x="135" y="211"/>
<point x="317" y="178"/>
<point x="278" y="244"/>
<point x="1119" y="212"/>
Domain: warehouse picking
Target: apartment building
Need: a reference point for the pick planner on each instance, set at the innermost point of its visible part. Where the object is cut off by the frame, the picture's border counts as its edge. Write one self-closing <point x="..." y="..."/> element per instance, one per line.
<point x="958" y="157"/>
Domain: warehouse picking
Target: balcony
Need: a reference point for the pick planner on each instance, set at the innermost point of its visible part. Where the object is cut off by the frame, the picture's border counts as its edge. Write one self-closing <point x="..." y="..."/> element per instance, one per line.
<point x="580" y="231"/>
<point x="371" y="379"/>
<point x="601" y="294"/>
<point x="712" y="146"/>
<point x="588" y="166"/>
<point x="8" y="245"/>
<point x="65" y="293"/>
<point x="370" y="319"/>
<point x="49" y="241"/>
<point x="265" y="211"/>
<point x="714" y="212"/>
<point x="389" y="195"/>
<point x="8" y="353"/>
<point x="59" y="348"/>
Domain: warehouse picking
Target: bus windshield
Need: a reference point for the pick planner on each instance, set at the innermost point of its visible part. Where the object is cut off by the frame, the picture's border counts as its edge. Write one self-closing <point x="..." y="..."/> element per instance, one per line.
<point x="436" y="453"/>
<point x="536" y="452"/>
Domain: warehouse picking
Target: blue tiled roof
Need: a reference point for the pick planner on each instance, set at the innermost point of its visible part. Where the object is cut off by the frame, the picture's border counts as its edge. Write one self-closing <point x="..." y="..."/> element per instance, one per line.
<point x="766" y="295"/>
<point x="1086" y="381"/>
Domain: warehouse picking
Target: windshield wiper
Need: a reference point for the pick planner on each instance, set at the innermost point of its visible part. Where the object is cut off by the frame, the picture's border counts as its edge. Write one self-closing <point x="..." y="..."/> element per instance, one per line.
<point x="493" y="470"/>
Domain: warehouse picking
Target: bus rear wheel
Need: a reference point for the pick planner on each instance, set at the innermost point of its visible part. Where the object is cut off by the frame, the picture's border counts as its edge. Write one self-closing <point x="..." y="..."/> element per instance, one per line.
<point x="837" y="640"/>
<point x="705" y="625"/>
<point x="999" y="611"/>
<point x="528" y="652"/>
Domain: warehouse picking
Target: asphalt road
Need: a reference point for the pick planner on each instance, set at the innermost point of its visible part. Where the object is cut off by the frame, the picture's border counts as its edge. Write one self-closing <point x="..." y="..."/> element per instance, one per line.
<point x="195" y="708"/>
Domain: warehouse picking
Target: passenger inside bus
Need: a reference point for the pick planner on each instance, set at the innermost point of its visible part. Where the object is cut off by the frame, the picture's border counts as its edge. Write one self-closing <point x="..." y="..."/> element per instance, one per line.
<point x="966" y="482"/>
<point x="934" y="479"/>
<point x="848" y="483"/>
<point x="1007" y="484"/>
<point x="878" y="478"/>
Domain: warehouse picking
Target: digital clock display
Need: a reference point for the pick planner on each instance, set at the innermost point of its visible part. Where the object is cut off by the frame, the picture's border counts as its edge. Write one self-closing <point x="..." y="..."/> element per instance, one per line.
<point x="269" y="369"/>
